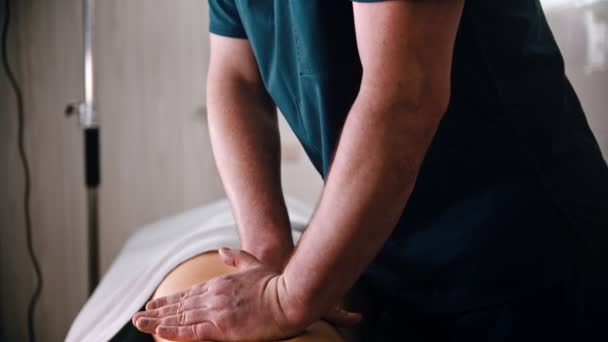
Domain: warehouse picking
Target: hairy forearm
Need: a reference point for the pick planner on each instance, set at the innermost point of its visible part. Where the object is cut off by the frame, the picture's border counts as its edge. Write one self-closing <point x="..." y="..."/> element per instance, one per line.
<point x="245" y="140"/>
<point x="405" y="89"/>
<point x="374" y="170"/>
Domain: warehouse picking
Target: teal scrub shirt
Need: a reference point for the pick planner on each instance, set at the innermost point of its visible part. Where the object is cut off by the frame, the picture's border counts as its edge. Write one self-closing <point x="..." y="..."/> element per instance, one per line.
<point x="513" y="188"/>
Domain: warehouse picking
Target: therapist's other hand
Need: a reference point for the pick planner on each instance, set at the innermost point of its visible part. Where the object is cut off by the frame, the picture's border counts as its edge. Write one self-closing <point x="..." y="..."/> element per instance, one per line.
<point x="251" y="304"/>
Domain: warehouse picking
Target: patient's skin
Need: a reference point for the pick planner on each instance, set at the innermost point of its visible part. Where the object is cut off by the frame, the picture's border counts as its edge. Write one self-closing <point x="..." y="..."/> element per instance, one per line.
<point x="209" y="265"/>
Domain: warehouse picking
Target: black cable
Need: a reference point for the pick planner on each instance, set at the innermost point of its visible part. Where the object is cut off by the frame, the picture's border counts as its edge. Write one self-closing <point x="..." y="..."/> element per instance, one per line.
<point x="26" y="170"/>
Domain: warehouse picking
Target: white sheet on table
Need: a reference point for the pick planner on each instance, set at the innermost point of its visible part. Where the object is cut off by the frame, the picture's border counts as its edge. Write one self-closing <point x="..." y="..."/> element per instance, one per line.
<point x="150" y="254"/>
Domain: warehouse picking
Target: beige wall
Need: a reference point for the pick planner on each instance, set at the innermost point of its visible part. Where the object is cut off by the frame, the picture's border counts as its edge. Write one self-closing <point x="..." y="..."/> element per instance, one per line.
<point x="156" y="159"/>
<point x="300" y="179"/>
<point x="45" y="50"/>
<point x="152" y="59"/>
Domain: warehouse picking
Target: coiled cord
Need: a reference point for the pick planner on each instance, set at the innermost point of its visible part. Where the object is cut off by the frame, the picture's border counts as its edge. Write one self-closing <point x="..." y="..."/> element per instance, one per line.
<point x="26" y="170"/>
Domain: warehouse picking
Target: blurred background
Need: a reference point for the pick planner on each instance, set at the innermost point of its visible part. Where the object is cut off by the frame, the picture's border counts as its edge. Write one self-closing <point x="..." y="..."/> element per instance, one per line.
<point x="151" y="58"/>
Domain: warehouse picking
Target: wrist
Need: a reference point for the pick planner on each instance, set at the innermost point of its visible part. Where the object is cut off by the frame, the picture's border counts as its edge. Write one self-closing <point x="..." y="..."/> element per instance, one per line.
<point x="274" y="259"/>
<point x="303" y="302"/>
<point x="275" y="255"/>
<point x="294" y="310"/>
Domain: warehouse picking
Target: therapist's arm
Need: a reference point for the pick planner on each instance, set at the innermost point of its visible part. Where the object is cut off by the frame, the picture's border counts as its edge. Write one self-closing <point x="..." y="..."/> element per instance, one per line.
<point x="245" y="139"/>
<point x="406" y="51"/>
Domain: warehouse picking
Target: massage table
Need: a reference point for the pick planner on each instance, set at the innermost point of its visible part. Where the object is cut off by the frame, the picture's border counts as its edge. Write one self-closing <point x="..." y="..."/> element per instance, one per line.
<point x="150" y="254"/>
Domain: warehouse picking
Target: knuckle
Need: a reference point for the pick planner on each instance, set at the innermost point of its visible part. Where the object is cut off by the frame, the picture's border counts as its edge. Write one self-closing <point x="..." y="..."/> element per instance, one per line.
<point x="182" y="319"/>
<point x="219" y="301"/>
<point x="185" y="294"/>
<point x="164" y="311"/>
<point x="196" y="333"/>
<point x="190" y="303"/>
<point x="223" y="289"/>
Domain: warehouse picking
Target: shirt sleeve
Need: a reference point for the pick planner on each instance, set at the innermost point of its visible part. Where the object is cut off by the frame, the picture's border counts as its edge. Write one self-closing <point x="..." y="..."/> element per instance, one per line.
<point x="224" y="19"/>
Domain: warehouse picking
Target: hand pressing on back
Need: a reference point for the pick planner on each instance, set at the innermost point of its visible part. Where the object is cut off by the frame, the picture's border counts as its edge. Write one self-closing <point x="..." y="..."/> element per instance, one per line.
<point x="252" y="304"/>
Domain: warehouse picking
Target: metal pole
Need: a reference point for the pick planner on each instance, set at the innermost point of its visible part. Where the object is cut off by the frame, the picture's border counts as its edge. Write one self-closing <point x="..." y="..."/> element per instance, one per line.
<point x="93" y="239"/>
<point x="88" y="118"/>
<point x="89" y="123"/>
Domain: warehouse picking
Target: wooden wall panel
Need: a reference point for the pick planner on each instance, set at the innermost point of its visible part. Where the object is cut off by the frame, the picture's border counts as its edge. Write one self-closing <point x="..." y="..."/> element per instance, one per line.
<point x="46" y="52"/>
<point x="156" y="158"/>
<point x="12" y="240"/>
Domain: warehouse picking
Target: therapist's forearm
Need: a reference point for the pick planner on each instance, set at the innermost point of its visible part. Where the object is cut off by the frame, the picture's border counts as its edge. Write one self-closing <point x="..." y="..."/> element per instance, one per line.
<point x="375" y="167"/>
<point x="245" y="140"/>
<point x="405" y="89"/>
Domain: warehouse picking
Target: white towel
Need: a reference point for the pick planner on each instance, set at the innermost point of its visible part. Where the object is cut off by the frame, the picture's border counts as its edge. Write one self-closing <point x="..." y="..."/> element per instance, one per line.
<point x="150" y="254"/>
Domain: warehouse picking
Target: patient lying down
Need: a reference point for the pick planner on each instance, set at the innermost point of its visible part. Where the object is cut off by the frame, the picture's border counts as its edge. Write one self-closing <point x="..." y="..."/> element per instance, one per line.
<point x="209" y="265"/>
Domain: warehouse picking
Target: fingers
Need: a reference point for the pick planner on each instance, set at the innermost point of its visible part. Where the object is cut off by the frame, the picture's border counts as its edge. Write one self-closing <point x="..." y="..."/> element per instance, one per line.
<point x="148" y="324"/>
<point x="173" y="309"/>
<point x="172" y="304"/>
<point x="177" y="297"/>
<point x="159" y="313"/>
<point x="238" y="258"/>
<point x="204" y="331"/>
<point x="342" y="317"/>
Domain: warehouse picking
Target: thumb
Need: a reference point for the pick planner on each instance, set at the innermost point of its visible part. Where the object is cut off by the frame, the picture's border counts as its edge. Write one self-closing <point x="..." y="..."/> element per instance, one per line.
<point x="238" y="258"/>
<point x="342" y="318"/>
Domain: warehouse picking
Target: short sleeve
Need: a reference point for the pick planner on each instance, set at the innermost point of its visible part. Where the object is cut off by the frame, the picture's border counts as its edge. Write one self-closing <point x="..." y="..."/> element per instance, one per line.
<point x="224" y="19"/>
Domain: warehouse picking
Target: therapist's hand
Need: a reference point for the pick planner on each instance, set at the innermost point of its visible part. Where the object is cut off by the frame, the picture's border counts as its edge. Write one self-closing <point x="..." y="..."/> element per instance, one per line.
<point x="251" y="304"/>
